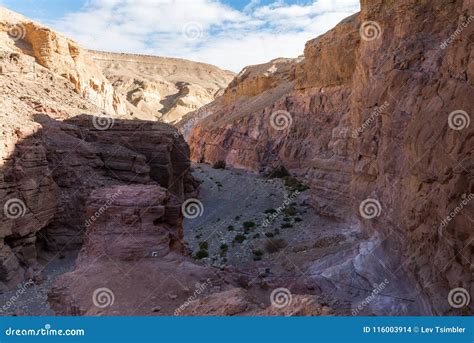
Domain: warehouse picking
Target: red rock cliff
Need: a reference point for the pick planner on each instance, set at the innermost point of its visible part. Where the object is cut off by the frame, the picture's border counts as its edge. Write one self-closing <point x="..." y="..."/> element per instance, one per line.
<point x="378" y="109"/>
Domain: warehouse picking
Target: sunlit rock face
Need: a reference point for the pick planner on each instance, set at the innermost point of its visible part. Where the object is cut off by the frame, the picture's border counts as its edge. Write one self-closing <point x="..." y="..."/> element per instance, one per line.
<point x="373" y="111"/>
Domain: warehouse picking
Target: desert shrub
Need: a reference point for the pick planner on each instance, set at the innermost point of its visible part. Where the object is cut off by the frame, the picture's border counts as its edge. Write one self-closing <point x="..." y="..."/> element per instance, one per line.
<point x="286" y="225"/>
<point x="270" y="211"/>
<point x="248" y="225"/>
<point x="224" y="248"/>
<point x="203" y="245"/>
<point x="278" y="172"/>
<point x="290" y="211"/>
<point x="239" y="238"/>
<point x="274" y="245"/>
<point x="220" y="164"/>
<point x="293" y="184"/>
<point x="201" y="254"/>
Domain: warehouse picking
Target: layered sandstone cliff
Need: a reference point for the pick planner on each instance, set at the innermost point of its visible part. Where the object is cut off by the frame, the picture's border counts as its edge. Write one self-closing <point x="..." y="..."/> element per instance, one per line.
<point x="160" y="87"/>
<point x="49" y="163"/>
<point x="62" y="56"/>
<point x="378" y="110"/>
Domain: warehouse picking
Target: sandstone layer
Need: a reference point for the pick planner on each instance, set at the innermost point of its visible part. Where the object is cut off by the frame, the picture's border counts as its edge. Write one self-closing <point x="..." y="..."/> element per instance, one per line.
<point x="160" y="87"/>
<point x="49" y="163"/>
<point x="368" y="114"/>
<point x="133" y="263"/>
<point x="62" y="56"/>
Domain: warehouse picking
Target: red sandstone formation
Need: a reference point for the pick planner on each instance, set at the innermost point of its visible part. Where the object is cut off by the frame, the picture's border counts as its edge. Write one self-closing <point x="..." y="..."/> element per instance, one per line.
<point x="368" y="117"/>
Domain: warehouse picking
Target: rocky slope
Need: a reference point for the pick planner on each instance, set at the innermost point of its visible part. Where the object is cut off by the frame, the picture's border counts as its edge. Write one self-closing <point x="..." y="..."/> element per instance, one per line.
<point x="60" y="55"/>
<point x="133" y="263"/>
<point x="159" y="87"/>
<point x="375" y="119"/>
<point x="52" y="155"/>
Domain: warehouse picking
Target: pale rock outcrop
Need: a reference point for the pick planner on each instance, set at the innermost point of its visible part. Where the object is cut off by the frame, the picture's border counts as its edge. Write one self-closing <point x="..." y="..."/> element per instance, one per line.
<point x="160" y="87"/>
<point x="60" y="55"/>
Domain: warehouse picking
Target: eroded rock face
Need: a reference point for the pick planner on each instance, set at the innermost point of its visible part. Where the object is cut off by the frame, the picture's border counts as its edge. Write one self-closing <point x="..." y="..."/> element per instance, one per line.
<point x="62" y="56"/>
<point x="238" y="302"/>
<point x="369" y="119"/>
<point x="84" y="158"/>
<point x="29" y="199"/>
<point x="133" y="254"/>
<point x="162" y="88"/>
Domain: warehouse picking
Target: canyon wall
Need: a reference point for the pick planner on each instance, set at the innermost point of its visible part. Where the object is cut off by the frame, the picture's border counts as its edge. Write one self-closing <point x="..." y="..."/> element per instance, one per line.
<point x="377" y="113"/>
<point x="160" y="87"/>
<point x="52" y="157"/>
<point x="60" y="55"/>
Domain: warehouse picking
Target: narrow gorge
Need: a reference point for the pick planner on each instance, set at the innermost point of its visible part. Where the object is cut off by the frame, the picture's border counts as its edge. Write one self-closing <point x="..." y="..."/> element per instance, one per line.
<point x="339" y="182"/>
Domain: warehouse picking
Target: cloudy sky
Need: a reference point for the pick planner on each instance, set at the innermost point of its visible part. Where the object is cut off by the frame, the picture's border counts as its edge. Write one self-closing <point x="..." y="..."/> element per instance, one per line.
<point x="228" y="33"/>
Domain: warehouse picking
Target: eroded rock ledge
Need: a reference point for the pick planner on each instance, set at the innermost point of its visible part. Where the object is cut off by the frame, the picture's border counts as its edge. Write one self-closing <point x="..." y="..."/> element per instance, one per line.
<point x="50" y="168"/>
<point x="369" y="120"/>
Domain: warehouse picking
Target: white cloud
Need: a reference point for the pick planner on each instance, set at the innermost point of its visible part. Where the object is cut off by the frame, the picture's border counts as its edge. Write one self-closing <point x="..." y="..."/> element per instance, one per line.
<point x="227" y="37"/>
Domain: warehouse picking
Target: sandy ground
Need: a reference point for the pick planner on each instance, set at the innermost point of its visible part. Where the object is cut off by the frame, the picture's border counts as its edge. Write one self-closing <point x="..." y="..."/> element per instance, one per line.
<point x="233" y="231"/>
<point x="236" y="204"/>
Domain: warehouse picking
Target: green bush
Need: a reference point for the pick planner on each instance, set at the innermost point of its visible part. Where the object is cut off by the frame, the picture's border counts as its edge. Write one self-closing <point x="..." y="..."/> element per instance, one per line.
<point x="290" y="211"/>
<point x="203" y="245"/>
<point x="224" y="249"/>
<point x="278" y="172"/>
<point x="201" y="254"/>
<point x="220" y="164"/>
<point x="293" y="184"/>
<point x="286" y="225"/>
<point x="274" y="245"/>
<point x="270" y="211"/>
<point x="239" y="238"/>
<point x="248" y="225"/>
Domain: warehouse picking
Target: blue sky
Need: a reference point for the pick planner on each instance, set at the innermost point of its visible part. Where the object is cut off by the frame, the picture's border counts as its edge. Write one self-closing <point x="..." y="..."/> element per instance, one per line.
<point x="227" y="33"/>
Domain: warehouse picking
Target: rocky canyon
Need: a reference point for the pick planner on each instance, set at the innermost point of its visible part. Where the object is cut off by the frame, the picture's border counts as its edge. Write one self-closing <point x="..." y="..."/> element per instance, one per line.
<point x="339" y="182"/>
